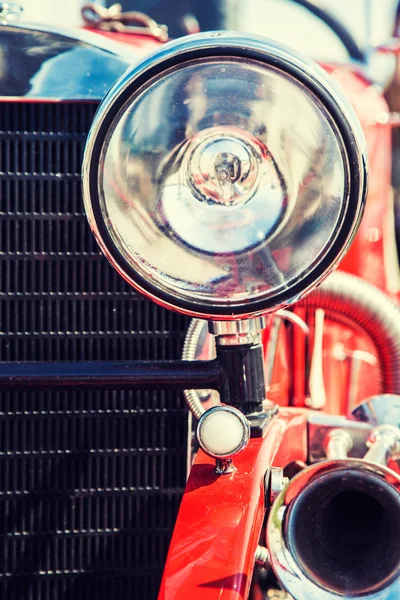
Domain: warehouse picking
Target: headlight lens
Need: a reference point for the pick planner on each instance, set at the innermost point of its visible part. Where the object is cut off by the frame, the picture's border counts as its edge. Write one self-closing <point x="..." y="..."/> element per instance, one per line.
<point x="223" y="184"/>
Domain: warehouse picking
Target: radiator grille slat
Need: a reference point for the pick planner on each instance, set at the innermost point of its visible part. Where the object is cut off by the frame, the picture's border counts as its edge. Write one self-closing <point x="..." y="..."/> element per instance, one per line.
<point x="90" y="482"/>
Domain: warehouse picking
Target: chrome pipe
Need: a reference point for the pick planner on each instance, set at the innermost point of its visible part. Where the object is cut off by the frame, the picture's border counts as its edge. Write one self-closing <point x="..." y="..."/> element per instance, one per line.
<point x="384" y="444"/>
<point x="338" y="444"/>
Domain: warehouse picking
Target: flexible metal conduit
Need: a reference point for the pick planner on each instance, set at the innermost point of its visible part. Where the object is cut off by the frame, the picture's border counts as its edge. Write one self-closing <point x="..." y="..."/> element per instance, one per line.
<point x="189" y="353"/>
<point x="348" y="299"/>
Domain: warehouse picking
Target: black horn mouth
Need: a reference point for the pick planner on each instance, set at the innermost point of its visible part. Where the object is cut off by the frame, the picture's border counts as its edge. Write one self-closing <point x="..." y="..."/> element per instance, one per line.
<point x="343" y="530"/>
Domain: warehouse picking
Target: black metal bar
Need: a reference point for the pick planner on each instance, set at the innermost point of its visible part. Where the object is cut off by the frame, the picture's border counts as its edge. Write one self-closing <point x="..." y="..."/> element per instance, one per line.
<point x="242" y="376"/>
<point x="177" y="374"/>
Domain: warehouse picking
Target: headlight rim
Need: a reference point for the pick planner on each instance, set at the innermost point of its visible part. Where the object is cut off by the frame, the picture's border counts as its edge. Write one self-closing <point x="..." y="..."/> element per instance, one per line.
<point x="243" y="46"/>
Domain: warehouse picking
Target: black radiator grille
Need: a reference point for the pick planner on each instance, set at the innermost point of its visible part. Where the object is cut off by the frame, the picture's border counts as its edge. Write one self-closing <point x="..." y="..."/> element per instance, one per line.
<point x="90" y="482"/>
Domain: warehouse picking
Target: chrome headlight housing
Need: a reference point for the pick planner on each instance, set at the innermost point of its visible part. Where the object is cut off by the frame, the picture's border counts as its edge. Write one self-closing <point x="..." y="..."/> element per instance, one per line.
<point x="224" y="176"/>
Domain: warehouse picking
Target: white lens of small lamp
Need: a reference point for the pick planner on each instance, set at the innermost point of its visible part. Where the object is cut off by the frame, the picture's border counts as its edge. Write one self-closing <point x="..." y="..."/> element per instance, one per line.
<point x="223" y="431"/>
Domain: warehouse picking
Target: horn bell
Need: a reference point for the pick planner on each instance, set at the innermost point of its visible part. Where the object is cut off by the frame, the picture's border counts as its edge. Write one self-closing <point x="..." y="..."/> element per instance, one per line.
<point x="334" y="532"/>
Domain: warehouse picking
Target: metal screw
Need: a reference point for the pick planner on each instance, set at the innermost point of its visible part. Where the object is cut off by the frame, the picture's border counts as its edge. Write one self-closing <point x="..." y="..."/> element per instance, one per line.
<point x="224" y="466"/>
<point x="262" y="557"/>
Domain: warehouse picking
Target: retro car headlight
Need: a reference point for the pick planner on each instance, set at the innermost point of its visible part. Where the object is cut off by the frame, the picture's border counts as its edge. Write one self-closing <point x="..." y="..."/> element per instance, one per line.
<point x="224" y="176"/>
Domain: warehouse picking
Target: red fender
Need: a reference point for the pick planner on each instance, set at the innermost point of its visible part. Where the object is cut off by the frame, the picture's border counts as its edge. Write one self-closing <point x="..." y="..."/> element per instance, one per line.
<point x="211" y="556"/>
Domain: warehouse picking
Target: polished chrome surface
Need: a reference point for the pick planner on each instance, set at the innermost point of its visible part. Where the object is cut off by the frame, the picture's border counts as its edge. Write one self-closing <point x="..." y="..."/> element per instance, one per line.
<point x="338" y="444"/>
<point x="228" y="417"/>
<point x="243" y="326"/>
<point x="372" y="486"/>
<point x="379" y="410"/>
<point x="383" y="444"/>
<point x="234" y="333"/>
<point x="226" y="167"/>
<point x="206" y="208"/>
<point x="335" y="530"/>
<point x="321" y="426"/>
<point x="10" y="12"/>
<point x="276" y="482"/>
<point x="223" y="166"/>
<point x="261" y="557"/>
<point x="203" y="208"/>
<point x="48" y="64"/>
<point x="224" y="466"/>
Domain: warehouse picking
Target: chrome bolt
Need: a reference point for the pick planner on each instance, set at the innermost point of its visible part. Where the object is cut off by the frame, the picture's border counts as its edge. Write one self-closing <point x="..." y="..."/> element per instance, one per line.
<point x="224" y="466"/>
<point x="262" y="557"/>
<point x="277" y="483"/>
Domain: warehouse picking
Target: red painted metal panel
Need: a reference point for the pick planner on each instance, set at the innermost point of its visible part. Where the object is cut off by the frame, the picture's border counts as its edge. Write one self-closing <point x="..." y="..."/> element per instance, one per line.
<point x="220" y="519"/>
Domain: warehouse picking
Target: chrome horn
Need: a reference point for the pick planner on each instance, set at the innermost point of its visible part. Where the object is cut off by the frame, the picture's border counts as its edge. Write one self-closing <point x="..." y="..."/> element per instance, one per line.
<point x="334" y="531"/>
